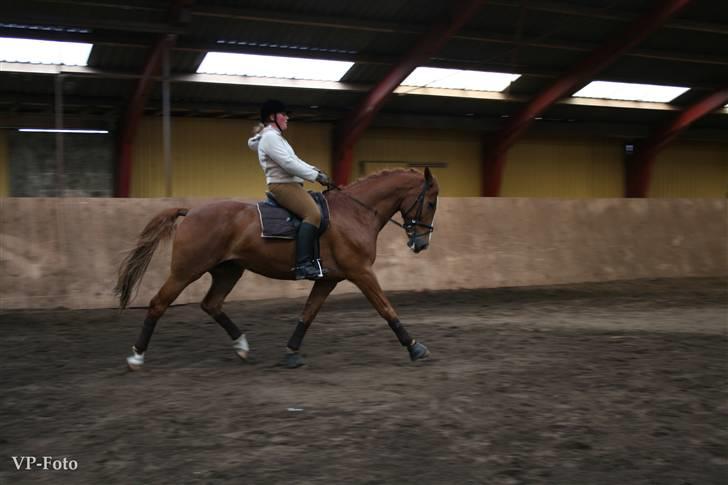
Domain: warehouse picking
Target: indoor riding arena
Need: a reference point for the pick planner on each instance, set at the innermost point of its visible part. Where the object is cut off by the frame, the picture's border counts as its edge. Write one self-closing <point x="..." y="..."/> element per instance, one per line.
<point x="523" y="277"/>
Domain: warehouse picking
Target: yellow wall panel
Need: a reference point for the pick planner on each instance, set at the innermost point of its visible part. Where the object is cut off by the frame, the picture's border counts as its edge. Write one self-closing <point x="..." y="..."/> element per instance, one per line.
<point x="211" y="157"/>
<point x="147" y="171"/>
<point x="558" y="167"/>
<point x="691" y="170"/>
<point x="4" y="165"/>
<point x="385" y="148"/>
<point x="311" y="142"/>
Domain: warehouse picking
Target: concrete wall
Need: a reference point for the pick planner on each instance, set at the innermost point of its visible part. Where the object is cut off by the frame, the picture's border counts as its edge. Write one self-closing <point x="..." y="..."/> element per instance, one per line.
<point x="88" y="164"/>
<point x="65" y="252"/>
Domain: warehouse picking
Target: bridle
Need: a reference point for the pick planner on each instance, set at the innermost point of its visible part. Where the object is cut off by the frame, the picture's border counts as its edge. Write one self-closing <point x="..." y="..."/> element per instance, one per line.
<point x="410" y="225"/>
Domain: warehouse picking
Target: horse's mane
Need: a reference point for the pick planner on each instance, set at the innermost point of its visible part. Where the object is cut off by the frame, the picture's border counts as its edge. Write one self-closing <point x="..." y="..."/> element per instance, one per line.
<point x="379" y="174"/>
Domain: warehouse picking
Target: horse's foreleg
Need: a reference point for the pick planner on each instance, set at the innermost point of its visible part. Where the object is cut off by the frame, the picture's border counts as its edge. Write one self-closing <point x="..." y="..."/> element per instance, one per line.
<point x="157" y="306"/>
<point x="224" y="278"/>
<point x="367" y="282"/>
<point x="319" y="293"/>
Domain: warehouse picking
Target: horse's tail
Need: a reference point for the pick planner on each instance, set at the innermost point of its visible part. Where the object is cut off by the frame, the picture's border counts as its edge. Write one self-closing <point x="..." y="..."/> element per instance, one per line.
<point x="137" y="260"/>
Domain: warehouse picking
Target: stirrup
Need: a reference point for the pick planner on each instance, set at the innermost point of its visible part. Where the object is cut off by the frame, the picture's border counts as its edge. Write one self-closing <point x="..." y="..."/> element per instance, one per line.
<point x="311" y="270"/>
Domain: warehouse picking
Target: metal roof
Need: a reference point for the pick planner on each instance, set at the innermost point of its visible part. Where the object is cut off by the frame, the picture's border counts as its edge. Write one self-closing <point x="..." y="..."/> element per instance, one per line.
<point x="541" y="39"/>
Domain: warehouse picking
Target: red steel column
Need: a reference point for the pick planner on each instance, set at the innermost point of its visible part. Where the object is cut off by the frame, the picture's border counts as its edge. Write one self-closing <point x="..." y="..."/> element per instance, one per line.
<point x="638" y="169"/>
<point x="351" y="128"/>
<point x="496" y="148"/>
<point x="134" y="113"/>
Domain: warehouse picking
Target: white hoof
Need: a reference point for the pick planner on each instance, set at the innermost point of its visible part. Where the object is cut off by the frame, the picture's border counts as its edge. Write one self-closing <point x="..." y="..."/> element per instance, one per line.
<point x="135" y="361"/>
<point x="241" y="347"/>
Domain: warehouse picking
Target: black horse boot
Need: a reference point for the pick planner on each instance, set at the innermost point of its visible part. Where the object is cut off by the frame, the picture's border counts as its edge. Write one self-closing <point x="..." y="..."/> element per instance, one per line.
<point x="306" y="266"/>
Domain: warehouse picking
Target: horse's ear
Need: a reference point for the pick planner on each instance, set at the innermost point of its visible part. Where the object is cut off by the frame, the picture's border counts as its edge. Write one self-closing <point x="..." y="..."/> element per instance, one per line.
<point x="428" y="175"/>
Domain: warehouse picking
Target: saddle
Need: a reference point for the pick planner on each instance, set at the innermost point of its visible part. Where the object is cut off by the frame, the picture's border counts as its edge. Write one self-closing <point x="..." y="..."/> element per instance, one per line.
<point x="279" y="223"/>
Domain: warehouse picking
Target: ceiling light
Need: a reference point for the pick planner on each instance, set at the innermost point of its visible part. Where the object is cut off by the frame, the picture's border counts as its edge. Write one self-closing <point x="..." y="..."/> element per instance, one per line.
<point x="630" y="91"/>
<point x="432" y="77"/>
<point x="44" y="51"/>
<point x="52" y="130"/>
<point x="273" y="66"/>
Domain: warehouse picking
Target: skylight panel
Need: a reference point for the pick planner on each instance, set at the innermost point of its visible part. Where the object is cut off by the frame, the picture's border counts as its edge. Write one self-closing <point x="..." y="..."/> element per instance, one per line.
<point x="432" y="77"/>
<point x="273" y="66"/>
<point x="630" y="91"/>
<point x="44" y="51"/>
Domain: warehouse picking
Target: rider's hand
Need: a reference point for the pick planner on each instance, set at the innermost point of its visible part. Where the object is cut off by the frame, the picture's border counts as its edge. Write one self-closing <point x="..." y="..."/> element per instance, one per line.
<point x="323" y="179"/>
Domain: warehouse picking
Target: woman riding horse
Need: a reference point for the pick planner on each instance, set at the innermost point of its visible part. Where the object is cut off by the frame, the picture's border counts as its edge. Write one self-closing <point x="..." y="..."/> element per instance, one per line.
<point x="284" y="174"/>
<point x="224" y="239"/>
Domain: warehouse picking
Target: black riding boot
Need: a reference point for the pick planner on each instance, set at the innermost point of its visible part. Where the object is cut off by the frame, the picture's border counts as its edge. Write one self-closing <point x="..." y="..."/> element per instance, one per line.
<point x="306" y="266"/>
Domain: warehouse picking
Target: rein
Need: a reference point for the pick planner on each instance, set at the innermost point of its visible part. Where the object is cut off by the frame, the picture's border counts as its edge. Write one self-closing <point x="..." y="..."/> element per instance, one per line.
<point x="409" y="226"/>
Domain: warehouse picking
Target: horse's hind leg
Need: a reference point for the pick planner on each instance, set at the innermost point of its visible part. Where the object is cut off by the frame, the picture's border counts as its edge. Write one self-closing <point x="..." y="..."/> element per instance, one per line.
<point x="169" y="292"/>
<point x="319" y="293"/>
<point x="224" y="278"/>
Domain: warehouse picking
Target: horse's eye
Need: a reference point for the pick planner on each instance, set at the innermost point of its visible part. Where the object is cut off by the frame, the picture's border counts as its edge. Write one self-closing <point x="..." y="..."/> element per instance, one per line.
<point x="432" y="205"/>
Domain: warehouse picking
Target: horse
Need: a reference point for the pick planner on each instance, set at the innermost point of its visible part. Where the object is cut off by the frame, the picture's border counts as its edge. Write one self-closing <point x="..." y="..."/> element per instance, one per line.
<point x="223" y="238"/>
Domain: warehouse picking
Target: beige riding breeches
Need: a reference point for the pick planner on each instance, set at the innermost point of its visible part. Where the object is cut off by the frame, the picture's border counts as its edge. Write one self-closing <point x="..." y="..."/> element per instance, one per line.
<point x="294" y="197"/>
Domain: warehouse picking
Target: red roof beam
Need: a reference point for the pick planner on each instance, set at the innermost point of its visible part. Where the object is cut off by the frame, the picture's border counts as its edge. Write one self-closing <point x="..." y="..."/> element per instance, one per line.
<point x="638" y="170"/>
<point x="178" y="13"/>
<point x="497" y="147"/>
<point x="135" y="111"/>
<point x="351" y="128"/>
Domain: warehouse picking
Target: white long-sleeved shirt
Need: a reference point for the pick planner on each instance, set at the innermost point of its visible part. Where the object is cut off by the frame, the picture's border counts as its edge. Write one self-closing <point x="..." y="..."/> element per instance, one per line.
<point x="278" y="160"/>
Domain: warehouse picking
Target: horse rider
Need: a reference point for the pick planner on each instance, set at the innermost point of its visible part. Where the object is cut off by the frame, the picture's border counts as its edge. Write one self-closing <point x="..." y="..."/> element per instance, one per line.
<point x="284" y="174"/>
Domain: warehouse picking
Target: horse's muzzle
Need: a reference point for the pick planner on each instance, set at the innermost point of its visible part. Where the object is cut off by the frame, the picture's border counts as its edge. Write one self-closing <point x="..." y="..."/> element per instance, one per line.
<point x="420" y="244"/>
<point x="418" y="249"/>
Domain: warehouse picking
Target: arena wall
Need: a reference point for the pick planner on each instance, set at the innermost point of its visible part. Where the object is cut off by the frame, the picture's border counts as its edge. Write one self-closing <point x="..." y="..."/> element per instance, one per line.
<point x="64" y="252"/>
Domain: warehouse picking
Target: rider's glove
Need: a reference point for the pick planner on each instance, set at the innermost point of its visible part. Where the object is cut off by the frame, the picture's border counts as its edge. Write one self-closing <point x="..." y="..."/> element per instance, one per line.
<point x="323" y="179"/>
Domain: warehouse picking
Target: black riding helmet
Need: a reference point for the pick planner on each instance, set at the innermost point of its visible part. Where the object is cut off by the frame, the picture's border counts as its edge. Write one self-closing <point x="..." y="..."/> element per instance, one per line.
<point x="270" y="107"/>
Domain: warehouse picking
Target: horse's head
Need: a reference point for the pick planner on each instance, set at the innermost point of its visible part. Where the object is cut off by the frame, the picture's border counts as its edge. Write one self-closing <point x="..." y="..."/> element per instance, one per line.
<point x="418" y="212"/>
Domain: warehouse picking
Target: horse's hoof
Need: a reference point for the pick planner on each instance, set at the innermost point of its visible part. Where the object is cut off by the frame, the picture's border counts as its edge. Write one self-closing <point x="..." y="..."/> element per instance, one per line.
<point x="418" y="351"/>
<point x="135" y="361"/>
<point x="294" y="360"/>
<point x="241" y="347"/>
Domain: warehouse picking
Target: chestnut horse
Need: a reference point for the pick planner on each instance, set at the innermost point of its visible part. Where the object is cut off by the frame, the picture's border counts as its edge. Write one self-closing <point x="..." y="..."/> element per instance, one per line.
<point x="224" y="239"/>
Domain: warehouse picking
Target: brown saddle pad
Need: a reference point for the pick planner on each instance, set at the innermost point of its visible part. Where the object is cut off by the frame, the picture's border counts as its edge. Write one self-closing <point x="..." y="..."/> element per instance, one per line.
<point x="278" y="222"/>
